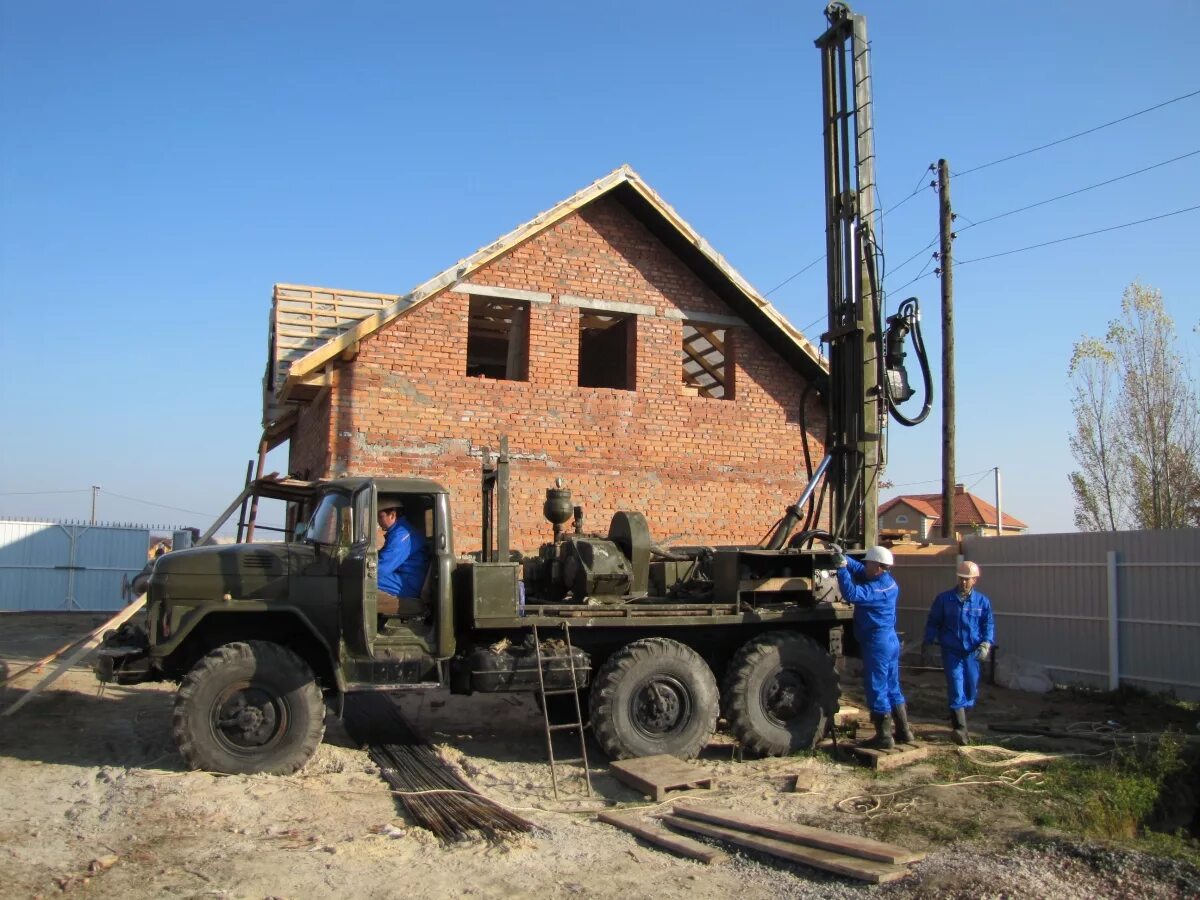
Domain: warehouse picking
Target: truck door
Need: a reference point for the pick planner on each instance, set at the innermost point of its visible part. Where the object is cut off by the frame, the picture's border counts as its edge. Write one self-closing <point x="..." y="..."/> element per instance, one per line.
<point x="357" y="587"/>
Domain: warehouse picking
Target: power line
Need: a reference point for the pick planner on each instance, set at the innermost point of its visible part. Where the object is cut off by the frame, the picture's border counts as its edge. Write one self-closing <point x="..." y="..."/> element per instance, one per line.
<point x="1072" y="137"/>
<point x="920" y="187"/>
<point x="915" y="255"/>
<point x="938" y="480"/>
<point x="794" y="275"/>
<point x="159" y="505"/>
<point x="39" y="493"/>
<point x="963" y="262"/>
<point x="1073" y="193"/>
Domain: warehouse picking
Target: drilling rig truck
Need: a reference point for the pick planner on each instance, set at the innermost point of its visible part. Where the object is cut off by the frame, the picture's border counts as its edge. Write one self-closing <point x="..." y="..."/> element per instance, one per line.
<point x="654" y="643"/>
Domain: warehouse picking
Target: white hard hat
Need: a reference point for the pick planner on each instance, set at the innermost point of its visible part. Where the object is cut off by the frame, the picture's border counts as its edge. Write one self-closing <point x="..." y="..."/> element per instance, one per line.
<point x="879" y="555"/>
<point x="968" y="569"/>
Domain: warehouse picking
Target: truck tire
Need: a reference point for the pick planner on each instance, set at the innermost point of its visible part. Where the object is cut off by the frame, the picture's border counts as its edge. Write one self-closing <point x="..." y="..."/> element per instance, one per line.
<point x="654" y="696"/>
<point x="780" y="691"/>
<point x="249" y="707"/>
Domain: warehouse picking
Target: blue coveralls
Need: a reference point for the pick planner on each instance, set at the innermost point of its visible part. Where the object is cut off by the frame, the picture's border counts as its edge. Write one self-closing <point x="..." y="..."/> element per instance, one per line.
<point x="403" y="560"/>
<point x="960" y="624"/>
<point x="875" y="627"/>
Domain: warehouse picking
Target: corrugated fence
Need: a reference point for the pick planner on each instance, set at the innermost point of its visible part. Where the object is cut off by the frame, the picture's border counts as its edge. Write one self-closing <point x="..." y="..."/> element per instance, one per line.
<point x="1100" y="609"/>
<point x="66" y="566"/>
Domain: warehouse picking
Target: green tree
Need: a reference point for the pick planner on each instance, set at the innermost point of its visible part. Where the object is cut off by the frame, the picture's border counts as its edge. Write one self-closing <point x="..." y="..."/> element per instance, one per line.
<point x="1137" y="423"/>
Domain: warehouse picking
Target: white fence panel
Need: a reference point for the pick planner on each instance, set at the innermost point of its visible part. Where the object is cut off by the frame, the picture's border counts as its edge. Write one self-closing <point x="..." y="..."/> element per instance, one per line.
<point x="1100" y="609"/>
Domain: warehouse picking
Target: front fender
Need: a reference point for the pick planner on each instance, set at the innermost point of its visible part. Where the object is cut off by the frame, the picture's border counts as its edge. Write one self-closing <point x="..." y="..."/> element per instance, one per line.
<point x="194" y="631"/>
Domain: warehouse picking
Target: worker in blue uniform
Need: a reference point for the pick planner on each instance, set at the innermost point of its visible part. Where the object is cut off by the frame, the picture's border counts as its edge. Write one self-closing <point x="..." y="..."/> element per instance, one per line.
<point x="870" y="587"/>
<point x="960" y="620"/>
<point x="403" y="560"/>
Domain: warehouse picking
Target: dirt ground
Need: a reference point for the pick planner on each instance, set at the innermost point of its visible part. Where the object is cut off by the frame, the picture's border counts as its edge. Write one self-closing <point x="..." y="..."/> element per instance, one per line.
<point x="95" y="801"/>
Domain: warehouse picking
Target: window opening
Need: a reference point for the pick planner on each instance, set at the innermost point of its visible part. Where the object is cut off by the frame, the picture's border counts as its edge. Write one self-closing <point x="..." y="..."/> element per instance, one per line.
<point x="607" y="350"/>
<point x="705" y="361"/>
<point x="498" y="339"/>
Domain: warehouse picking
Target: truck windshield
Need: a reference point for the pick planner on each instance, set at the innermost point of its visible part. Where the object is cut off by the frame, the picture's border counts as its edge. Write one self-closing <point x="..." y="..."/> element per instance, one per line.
<point x="331" y="521"/>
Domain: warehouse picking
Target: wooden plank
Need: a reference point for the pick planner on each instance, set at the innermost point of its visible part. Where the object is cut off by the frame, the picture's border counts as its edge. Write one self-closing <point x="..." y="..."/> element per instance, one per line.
<point x="849" y="844"/>
<point x="655" y="775"/>
<point x="682" y="846"/>
<point x="863" y="869"/>
<point x="885" y="760"/>
<point x="90" y="644"/>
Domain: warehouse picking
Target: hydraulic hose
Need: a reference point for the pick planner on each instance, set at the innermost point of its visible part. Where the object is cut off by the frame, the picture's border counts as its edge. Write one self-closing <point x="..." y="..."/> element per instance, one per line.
<point x="910" y="315"/>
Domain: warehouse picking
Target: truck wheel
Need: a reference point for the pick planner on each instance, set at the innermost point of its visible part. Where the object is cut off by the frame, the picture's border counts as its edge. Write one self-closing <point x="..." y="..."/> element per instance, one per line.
<point x="780" y="690"/>
<point x="249" y="707"/>
<point x="654" y="696"/>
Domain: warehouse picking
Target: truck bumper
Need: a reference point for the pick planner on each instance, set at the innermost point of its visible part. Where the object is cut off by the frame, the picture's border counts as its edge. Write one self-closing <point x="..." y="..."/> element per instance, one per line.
<point x="124" y="657"/>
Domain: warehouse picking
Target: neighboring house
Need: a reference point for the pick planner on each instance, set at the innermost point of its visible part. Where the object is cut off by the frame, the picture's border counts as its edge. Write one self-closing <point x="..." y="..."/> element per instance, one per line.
<point x="612" y="345"/>
<point x="919" y="516"/>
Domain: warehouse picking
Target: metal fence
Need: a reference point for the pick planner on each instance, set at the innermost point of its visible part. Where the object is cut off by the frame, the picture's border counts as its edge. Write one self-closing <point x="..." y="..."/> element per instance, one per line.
<point x="68" y="565"/>
<point x="1099" y="609"/>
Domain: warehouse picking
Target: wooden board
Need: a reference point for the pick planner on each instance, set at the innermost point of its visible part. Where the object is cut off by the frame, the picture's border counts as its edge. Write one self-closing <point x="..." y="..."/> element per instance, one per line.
<point x="682" y="846"/>
<point x="901" y="755"/>
<point x="849" y="844"/>
<point x="93" y="640"/>
<point x="827" y="860"/>
<point x="655" y="775"/>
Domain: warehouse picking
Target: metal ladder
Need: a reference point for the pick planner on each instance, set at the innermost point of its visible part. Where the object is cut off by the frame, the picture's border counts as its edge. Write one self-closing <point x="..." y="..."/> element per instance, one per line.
<point x="577" y="725"/>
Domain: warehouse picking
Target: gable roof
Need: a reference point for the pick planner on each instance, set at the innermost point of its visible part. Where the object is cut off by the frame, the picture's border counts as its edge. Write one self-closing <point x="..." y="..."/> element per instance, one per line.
<point x="311" y="327"/>
<point x="968" y="508"/>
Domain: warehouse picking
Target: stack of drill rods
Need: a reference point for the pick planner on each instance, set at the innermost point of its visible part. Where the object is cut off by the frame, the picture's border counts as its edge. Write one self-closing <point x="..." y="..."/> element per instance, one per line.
<point x="452" y="808"/>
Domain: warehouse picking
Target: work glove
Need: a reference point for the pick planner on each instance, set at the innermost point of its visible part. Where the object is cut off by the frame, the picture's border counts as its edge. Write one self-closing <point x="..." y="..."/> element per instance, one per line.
<point x="838" y="560"/>
<point x="982" y="651"/>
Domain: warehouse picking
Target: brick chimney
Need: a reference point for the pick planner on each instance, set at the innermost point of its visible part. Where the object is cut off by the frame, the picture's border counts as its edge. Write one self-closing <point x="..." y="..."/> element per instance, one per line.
<point x="958" y="489"/>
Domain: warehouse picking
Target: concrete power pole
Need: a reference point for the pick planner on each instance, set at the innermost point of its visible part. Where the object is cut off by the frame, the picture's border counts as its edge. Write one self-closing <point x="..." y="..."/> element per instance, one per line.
<point x="999" y="512"/>
<point x="95" y="491"/>
<point x="947" y="273"/>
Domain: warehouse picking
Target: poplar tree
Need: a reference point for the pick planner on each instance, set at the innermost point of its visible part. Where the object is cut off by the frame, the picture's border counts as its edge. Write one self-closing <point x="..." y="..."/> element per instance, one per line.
<point x="1137" y="423"/>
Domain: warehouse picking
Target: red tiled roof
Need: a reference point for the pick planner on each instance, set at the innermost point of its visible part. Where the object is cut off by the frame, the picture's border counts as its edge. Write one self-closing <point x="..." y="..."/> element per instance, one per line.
<point x="968" y="509"/>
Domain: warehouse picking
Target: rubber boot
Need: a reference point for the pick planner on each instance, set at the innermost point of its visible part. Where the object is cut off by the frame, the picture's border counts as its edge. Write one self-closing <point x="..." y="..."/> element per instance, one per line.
<point x="904" y="734"/>
<point x="958" y="721"/>
<point x="883" y="733"/>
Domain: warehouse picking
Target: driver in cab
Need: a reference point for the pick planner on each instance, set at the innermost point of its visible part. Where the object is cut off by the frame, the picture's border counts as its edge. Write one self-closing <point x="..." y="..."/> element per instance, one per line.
<point x="402" y="560"/>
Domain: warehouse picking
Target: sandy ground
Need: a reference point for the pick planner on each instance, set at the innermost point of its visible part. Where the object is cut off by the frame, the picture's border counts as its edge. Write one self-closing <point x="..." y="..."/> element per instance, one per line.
<point x="95" y="801"/>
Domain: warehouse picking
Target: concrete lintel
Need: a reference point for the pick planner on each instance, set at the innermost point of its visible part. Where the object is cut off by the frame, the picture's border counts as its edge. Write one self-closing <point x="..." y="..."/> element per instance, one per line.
<point x="704" y="318"/>
<point x="486" y="290"/>
<point x="636" y="309"/>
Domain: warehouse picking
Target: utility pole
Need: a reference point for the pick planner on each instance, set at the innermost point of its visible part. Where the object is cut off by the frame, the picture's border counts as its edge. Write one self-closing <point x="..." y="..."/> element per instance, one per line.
<point x="95" y="491"/>
<point x="999" y="514"/>
<point x="947" y="273"/>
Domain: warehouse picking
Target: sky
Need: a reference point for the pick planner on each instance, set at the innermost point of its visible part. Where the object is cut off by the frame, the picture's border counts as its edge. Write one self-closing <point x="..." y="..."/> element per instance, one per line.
<point x="163" y="165"/>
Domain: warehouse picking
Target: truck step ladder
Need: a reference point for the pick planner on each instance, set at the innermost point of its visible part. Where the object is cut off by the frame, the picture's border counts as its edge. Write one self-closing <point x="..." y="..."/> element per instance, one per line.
<point x="576" y="726"/>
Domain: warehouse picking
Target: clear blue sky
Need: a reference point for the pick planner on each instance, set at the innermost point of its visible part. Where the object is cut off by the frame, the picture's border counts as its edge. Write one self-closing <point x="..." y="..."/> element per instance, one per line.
<point x="163" y="165"/>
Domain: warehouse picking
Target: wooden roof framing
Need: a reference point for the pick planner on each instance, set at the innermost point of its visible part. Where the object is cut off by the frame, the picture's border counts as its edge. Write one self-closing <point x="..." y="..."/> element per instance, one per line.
<point x="704" y="359"/>
<point x="306" y="340"/>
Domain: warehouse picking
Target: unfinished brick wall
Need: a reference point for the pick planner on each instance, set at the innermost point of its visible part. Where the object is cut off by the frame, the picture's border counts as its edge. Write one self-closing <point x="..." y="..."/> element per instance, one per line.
<point x="702" y="470"/>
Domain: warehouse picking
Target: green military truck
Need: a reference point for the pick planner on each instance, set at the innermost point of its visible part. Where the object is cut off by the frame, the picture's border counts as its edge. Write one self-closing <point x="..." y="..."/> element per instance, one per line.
<point x="261" y="636"/>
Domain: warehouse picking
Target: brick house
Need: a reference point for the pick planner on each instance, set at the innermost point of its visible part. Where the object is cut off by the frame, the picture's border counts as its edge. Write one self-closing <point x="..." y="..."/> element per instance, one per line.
<point x="616" y="349"/>
<point x="919" y="516"/>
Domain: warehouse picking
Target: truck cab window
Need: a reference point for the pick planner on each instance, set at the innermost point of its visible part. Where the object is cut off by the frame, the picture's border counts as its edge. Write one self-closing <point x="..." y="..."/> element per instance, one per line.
<point x="331" y="521"/>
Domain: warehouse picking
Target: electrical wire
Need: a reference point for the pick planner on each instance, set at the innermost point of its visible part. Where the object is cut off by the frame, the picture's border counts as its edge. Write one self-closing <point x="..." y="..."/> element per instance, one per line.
<point x="918" y="189"/>
<point x="938" y="480"/>
<point x="1079" y="134"/>
<point x="1073" y="237"/>
<point x="932" y="241"/>
<point x="1081" y="190"/>
<point x="39" y="493"/>
<point x="794" y="275"/>
<point x="160" y="505"/>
